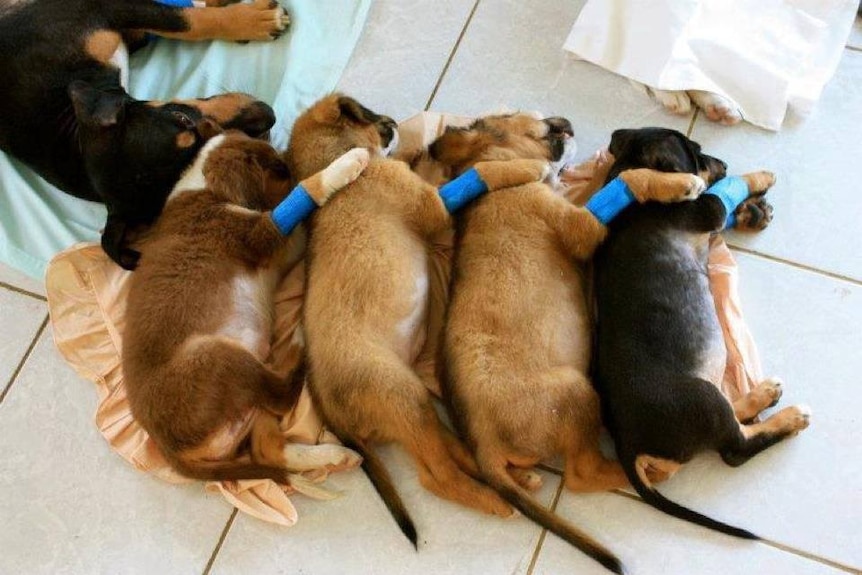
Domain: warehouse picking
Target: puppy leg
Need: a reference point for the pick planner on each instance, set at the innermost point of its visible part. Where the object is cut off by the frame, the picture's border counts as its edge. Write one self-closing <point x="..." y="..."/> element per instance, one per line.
<point x="578" y="229"/>
<point x="261" y="20"/>
<point x="341" y="172"/>
<point x="647" y="185"/>
<point x="508" y="173"/>
<point x="761" y="397"/>
<point x="752" y="439"/>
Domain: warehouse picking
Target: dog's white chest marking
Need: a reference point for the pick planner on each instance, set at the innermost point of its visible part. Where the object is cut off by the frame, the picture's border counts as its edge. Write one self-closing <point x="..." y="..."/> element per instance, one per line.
<point x="250" y="321"/>
<point x="193" y="177"/>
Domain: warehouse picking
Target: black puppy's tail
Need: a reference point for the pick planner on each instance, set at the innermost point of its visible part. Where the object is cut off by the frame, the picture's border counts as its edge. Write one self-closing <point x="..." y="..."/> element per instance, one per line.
<point x="382" y="482"/>
<point x="659" y="501"/>
<point x="502" y="482"/>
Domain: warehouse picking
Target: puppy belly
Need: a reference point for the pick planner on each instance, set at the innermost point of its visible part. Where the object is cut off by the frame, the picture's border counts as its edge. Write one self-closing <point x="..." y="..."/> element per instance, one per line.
<point x="410" y="331"/>
<point x="250" y="321"/>
<point x="223" y="443"/>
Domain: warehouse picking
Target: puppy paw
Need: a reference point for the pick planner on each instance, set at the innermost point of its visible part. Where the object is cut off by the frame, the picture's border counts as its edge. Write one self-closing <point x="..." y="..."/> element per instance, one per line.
<point x="327" y="456"/>
<point x="716" y="107"/>
<point x="526" y="478"/>
<point x="759" y="182"/>
<point x="674" y="101"/>
<point x="500" y="174"/>
<point x="261" y="20"/>
<point x="754" y="214"/>
<point x="769" y="391"/>
<point x="793" y="419"/>
<point x="344" y="170"/>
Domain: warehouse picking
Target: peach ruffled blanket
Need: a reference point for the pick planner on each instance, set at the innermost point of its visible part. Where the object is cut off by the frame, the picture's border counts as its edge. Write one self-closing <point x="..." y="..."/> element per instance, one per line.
<point x="87" y="298"/>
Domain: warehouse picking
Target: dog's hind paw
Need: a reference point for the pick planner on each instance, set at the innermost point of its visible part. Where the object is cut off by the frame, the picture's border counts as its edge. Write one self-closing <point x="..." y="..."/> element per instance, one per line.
<point x="793" y="419"/>
<point x="754" y="214"/>
<point x="716" y="107"/>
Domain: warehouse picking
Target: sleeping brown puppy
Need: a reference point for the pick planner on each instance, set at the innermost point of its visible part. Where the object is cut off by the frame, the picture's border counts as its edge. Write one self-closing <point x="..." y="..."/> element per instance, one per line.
<point x="366" y="298"/>
<point x="200" y="311"/>
<point x="517" y="339"/>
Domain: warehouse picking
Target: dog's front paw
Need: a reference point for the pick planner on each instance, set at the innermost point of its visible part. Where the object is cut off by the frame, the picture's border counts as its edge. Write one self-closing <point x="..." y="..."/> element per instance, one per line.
<point x="345" y="169"/>
<point x="679" y="187"/>
<point x="754" y="214"/>
<point x="261" y="20"/>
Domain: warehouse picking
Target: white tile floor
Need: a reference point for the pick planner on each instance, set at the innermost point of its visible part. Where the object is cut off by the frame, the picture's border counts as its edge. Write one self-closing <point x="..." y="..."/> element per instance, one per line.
<point x="69" y="505"/>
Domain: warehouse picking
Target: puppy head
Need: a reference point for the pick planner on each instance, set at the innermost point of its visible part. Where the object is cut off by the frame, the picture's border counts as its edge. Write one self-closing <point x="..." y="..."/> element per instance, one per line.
<point x="331" y="127"/>
<point x="245" y="171"/>
<point x="505" y="137"/>
<point x="135" y="151"/>
<point x="664" y="150"/>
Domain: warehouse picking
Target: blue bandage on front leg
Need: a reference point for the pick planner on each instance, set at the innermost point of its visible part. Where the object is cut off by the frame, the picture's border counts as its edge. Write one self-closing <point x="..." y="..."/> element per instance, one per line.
<point x="610" y="200"/>
<point x="293" y="210"/>
<point x="462" y="190"/>
<point x="732" y="191"/>
<point x="177" y="3"/>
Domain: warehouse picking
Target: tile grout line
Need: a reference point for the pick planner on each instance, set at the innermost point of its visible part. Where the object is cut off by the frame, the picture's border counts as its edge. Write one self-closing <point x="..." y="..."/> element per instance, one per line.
<point x="768" y="542"/>
<point x="853" y="48"/>
<point x="22" y="291"/>
<point x="451" y="56"/>
<point x="535" y="558"/>
<point x="804" y="267"/>
<point x="221" y="539"/>
<point x="693" y="120"/>
<point x="24" y="359"/>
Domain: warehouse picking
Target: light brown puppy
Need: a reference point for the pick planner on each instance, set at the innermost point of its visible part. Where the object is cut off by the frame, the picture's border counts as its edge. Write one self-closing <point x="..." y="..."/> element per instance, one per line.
<point x="366" y="299"/>
<point x="518" y="333"/>
<point x="200" y="313"/>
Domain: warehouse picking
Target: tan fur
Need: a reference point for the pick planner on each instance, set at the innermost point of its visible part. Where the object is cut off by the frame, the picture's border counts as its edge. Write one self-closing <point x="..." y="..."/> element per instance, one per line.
<point x="199" y="319"/>
<point x="260" y="20"/>
<point x="101" y="44"/>
<point x="366" y="299"/>
<point x="517" y="342"/>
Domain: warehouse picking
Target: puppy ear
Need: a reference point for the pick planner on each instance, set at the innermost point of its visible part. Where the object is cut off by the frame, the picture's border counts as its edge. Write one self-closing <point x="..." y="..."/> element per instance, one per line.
<point x="94" y="107"/>
<point x="208" y="128"/>
<point x="620" y="140"/>
<point x="355" y="112"/>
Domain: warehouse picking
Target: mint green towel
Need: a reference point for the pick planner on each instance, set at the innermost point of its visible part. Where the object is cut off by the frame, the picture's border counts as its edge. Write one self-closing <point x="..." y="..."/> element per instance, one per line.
<point x="37" y="221"/>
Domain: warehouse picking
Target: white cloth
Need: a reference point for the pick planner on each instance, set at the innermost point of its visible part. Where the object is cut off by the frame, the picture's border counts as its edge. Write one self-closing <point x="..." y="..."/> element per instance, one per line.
<point x="763" y="54"/>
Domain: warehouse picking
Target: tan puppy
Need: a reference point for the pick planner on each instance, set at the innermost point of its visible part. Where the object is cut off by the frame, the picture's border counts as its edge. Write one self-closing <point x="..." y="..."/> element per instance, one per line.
<point x="517" y="339"/>
<point x="200" y="312"/>
<point x="366" y="300"/>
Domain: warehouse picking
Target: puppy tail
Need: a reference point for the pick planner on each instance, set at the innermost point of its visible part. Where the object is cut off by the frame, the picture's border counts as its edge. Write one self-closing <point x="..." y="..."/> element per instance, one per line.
<point x="642" y="485"/>
<point x="502" y="482"/>
<point x="382" y="482"/>
<point x="230" y="470"/>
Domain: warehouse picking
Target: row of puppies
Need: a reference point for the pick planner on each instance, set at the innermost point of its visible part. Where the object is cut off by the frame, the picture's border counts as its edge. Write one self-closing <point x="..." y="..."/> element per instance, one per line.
<point x="376" y="265"/>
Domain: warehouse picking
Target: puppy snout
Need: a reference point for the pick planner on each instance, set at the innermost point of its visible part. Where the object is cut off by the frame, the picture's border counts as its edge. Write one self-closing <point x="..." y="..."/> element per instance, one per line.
<point x="559" y="126"/>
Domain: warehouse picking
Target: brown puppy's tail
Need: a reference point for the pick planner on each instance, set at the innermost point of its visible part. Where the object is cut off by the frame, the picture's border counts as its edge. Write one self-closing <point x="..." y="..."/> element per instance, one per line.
<point x="229" y="470"/>
<point x="650" y="495"/>
<point x="382" y="482"/>
<point x="502" y="482"/>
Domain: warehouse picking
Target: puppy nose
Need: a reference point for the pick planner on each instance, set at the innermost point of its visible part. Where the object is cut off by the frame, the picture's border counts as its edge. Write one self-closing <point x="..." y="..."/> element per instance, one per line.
<point x="559" y="125"/>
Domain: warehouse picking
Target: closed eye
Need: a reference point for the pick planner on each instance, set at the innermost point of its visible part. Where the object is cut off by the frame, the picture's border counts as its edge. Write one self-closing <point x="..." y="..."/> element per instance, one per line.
<point x="184" y="120"/>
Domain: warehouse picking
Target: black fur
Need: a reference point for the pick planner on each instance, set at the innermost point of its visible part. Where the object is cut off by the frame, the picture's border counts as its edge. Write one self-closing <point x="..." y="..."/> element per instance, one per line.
<point x="66" y="116"/>
<point x="657" y="326"/>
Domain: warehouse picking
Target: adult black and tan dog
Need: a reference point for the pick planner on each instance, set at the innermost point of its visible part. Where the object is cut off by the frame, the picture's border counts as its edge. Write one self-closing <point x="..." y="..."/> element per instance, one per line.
<point x="67" y="116"/>
<point x="660" y="349"/>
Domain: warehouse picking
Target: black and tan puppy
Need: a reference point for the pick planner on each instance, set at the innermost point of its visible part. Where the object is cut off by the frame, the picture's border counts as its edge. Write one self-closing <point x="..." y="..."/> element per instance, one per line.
<point x="518" y="331"/>
<point x="366" y="301"/>
<point x="660" y="348"/>
<point x="200" y="312"/>
<point x="67" y="115"/>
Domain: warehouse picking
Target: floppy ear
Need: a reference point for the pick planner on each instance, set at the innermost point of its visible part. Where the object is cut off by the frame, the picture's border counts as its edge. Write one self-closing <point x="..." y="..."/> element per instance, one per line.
<point x="354" y="111"/>
<point x="94" y="107"/>
<point x="620" y="140"/>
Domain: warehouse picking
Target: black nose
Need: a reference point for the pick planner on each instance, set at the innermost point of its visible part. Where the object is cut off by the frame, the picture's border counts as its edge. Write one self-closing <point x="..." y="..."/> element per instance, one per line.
<point x="255" y="120"/>
<point x="558" y="125"/>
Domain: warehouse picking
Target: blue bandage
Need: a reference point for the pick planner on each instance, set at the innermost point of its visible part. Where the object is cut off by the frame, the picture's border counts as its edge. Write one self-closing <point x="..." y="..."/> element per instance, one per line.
<point x="732" y="191"/>
<point x="610" y="200"/>
<point x="292" y="210"/>
<point x="177" y="3"/>
<point x="463" y="189"/>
